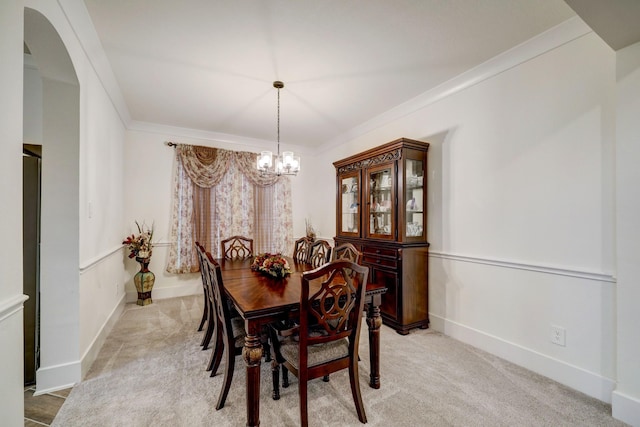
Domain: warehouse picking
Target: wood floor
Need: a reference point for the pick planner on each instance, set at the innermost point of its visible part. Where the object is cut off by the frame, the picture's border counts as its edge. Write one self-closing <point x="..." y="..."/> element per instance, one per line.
<point x="41" y="410"/>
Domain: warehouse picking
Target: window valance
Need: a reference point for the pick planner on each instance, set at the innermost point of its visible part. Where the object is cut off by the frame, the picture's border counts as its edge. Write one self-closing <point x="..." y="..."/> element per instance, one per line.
<point x="207" y="165"/>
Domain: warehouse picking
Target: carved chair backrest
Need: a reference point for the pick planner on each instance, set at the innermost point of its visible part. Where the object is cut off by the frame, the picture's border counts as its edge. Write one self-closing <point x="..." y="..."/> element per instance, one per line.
<point x="346" y="251"/>
<point x="319" y="253"/>
<point x="301" y="249"/>
<point x="335" y="308"/>
<point x="237" y="247"/>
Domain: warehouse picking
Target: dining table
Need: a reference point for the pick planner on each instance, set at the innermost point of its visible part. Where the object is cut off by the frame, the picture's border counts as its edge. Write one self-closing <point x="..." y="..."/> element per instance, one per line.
<point x="261" y="299"/>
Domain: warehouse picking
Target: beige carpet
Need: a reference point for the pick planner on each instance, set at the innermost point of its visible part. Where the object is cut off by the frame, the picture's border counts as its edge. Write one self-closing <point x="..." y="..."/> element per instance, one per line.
<point x="150" y="372"/>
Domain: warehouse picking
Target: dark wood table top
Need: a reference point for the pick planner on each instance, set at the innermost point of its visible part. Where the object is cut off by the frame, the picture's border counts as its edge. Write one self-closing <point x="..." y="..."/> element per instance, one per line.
<point x="257" y="295"/>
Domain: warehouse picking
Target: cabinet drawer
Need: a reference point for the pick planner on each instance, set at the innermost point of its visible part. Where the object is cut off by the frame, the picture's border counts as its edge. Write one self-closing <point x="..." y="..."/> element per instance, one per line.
<point x="380" y="261"/>
<point x="377" y="251"/>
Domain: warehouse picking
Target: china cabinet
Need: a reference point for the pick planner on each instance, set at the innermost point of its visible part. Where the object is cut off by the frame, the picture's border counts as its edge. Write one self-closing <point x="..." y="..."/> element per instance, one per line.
<point x="381" y="209"/>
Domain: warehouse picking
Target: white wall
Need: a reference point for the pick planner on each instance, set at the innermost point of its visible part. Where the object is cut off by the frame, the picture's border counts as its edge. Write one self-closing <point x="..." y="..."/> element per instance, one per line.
<point x="82" y="265"/>
<point x="521" y="210"/>
<point x="626" y="398"/>
<point x="11" y="299"/>
<point x="32" y="120"/>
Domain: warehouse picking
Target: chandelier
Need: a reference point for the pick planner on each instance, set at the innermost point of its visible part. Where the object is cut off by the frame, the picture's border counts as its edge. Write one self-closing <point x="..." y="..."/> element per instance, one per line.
<point x="283" y="164"/>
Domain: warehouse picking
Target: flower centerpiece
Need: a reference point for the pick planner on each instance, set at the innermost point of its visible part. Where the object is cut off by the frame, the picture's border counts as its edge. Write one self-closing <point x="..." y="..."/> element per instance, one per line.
<point x="274" y="265"/>
<point x="140" y="245"/>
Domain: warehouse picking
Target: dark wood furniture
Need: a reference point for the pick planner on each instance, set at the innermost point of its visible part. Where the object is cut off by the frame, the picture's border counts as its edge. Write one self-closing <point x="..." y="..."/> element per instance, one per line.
<point x="229" y="337"/>
<point x="330" y="343"/>
<point x="302" y="248"/>
<point x="237" y="247"/>
<point x="261" y="300"/>
<point x="319" y="253"/>
<point x="346" y="251"/>
<point x="382" y="210"/>
<point x="206" y="338"/>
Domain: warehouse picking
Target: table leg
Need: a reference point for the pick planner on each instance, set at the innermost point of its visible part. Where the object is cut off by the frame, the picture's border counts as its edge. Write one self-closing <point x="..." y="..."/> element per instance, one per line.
<point x="375" y="322"/>
<point x="252" y="355"/>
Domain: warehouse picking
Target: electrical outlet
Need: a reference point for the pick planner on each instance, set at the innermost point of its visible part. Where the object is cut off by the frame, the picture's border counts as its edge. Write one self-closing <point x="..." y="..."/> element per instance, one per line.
<point x="558" y="335"/>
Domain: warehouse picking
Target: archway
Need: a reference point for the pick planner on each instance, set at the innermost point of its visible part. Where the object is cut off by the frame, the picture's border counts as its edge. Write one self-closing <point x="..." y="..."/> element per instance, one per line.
<point x="59" y="246"/>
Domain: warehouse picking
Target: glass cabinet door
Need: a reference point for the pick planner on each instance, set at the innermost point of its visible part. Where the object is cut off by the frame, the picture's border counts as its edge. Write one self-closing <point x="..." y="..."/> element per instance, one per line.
<point x="381" y="202"/>
<point x="414" y="185"/>
<point x="349" y="204"/>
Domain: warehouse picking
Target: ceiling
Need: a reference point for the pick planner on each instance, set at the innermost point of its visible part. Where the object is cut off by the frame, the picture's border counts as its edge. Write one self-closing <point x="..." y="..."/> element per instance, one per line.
<point x="209" y="65"/>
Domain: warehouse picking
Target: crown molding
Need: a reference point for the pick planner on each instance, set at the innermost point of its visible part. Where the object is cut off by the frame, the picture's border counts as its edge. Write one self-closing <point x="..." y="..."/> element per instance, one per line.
<point x="235" y="140"/>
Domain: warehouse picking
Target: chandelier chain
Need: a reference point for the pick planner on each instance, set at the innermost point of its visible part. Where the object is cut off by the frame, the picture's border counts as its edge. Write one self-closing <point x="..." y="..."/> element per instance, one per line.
<point x="278" y="121"/>
<point x="285" y="164"/>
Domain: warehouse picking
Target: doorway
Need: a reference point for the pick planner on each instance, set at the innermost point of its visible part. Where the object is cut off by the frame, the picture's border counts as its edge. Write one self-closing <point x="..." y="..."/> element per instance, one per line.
<point x="31" y="167"/>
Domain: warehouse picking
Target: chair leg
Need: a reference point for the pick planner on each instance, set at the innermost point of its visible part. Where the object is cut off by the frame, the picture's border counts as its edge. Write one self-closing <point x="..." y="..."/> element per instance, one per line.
<point x="206" y="340"/>
<point x="216" y="354"/>
<point x="205" y="312"/>
<point x="302" y="389"/>
<point x="355" y="391"/>
<point x="275" y="376"/>
<point x="211" y="326"/>
<point x="266" y="348"/>
<point x="228" y="376"/>
<point x="285" y="377"/>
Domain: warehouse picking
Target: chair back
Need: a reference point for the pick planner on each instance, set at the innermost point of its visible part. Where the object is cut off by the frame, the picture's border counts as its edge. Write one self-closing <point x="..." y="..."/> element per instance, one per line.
<point x="319" y="253"/>
<point x="219" y="297"/>
<point x="346" y="251"/>
<point x="301" y="249"/>
<point x="237" y="247"/>
<point x="335" y="308"/>
<point x="204" y="273"/>
<point x="208" y="314"/>
<point x="200" y="252"/>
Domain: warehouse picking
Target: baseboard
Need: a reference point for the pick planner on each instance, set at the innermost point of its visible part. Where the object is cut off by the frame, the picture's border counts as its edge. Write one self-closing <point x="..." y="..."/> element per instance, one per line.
<point x="59" y="377"/>
<point x="92" y="352"/>
<point x="182" y="290"/>
<point x="625" y="408"/>
<point x="579" y="379"/>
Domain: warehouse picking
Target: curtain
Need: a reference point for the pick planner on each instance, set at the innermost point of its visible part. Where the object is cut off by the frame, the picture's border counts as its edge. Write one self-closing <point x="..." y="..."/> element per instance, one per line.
<point x="218" y="194"/>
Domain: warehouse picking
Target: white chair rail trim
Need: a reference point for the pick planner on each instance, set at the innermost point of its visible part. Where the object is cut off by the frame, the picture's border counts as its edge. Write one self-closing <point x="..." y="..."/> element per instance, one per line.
<point x="92" y="262"/>
<point x="12" y="306"/>
<point x="588" y="275"/>
<point x="98" y="259"/>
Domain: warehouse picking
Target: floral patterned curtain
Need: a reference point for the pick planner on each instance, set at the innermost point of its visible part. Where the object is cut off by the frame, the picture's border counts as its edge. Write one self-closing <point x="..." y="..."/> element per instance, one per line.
<point x="219" y="193"/>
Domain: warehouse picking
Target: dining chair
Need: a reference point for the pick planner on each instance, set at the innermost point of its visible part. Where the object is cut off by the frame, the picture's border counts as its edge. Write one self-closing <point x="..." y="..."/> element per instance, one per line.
<point x="301" y="249"/>
<point x="319" y="253"/>
<point x="331" y="343"/>
<point x="206" y="317"/>
<point x="237" y="247"/>
<point x="346" y="251"/>
<point x="230" y="331"/>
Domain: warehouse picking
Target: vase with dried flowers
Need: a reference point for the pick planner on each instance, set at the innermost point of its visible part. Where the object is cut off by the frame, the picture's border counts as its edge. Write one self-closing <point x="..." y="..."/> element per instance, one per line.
<point x="140" y="247"/>
<point x="311" y="232"/>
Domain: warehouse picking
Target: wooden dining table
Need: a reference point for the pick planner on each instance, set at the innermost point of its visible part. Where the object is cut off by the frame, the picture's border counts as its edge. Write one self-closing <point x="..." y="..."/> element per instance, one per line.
<point x="261" y="299"/>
